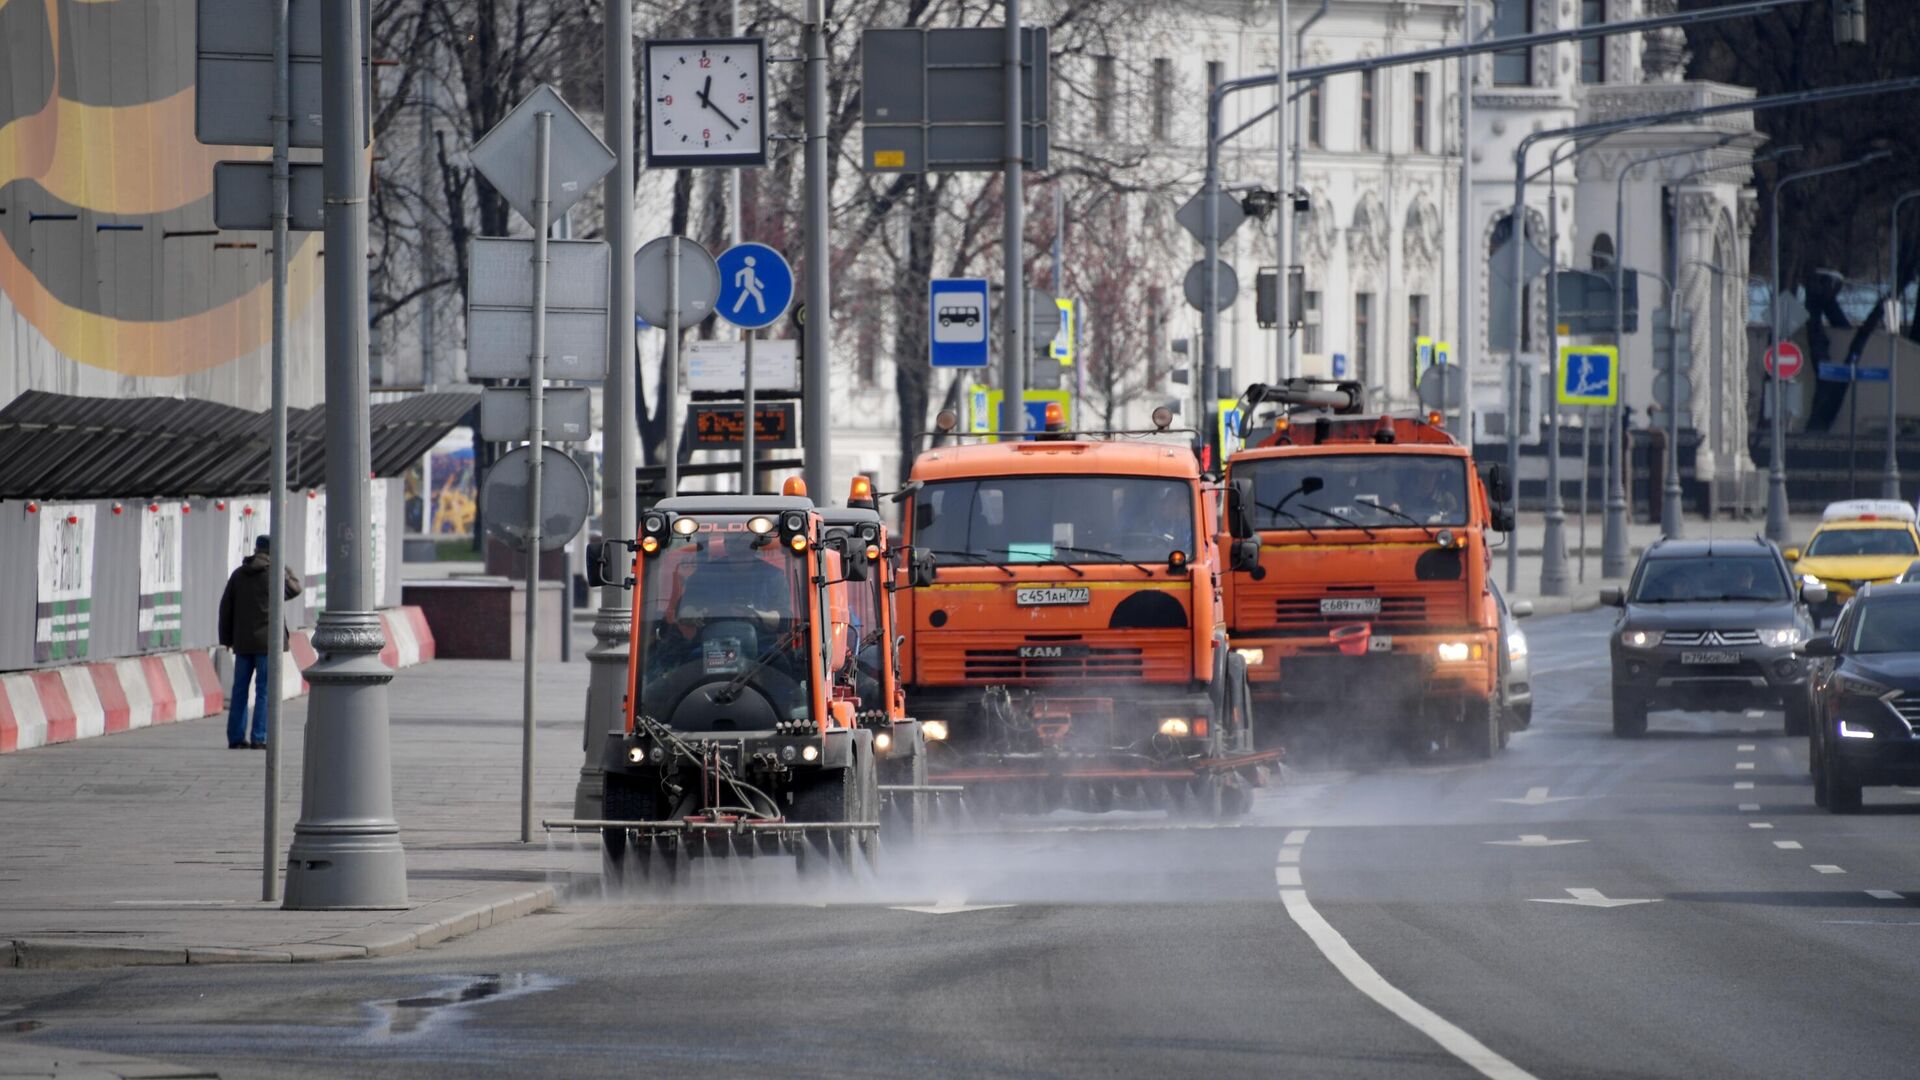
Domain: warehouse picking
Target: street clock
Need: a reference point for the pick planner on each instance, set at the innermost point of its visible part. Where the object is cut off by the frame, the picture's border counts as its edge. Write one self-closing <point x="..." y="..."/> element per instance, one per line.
<point x="706" y="102"/>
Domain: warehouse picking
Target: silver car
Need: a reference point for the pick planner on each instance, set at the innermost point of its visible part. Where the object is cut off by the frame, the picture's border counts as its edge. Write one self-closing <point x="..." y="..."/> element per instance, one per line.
<point x="1516" y="690"/>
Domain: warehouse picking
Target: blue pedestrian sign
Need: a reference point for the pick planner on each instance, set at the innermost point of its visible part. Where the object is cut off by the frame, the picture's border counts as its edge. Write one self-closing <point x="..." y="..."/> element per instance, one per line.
<point x="960" y="323"/>
<point x="756" y="285"/>
<point x="1589" y="375"/>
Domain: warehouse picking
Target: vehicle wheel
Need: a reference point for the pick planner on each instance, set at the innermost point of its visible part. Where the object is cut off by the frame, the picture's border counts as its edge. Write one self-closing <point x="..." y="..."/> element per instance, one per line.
<point x="832" y="797"/>
<point x="1484" y="729"/>
<point x="1524" y="714"/>
<point x="624" y="799"/>
<point x="1799" y="712"/>
<point x="1629" y="718"/>
<point x="1843" y="796"/>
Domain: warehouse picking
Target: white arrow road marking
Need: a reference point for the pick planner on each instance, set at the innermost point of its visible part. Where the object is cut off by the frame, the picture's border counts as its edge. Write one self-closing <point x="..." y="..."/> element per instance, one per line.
<point x="948" y="907"/>
<point x="1884" y="894"/>
<point x="1537" y="796"/>
<point x="1533" y="840"/>
<point x="1592" y="898"/>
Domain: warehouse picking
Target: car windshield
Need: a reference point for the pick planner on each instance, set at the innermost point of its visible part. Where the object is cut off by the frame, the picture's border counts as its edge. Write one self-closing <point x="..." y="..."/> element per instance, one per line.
<point x="1038" y="519"/>
<point x="1357" y="491"/>
<point x="1862" y="542"/>
<point x="722" y="603"/>
<point x="1887" y="624"/>
<point x="1708" y="578"/>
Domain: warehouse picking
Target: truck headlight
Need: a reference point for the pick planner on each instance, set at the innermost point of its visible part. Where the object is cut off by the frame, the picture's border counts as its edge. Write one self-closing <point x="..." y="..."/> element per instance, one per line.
<point x="636" y="754"/>
<point x="1641" y="639"/>
<point x="1453" y="652"/>
<point x="1174" y="725"/>
<point x="1784" y="638"/>
<point x="934" y="730"/>
<point x="810" y="753"/>
<point x="1253" y="657"/>
<point x="882" y="741"/>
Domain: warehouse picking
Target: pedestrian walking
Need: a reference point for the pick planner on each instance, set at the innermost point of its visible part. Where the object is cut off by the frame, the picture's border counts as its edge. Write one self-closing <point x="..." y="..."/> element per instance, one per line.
<point x="243" y="629"/>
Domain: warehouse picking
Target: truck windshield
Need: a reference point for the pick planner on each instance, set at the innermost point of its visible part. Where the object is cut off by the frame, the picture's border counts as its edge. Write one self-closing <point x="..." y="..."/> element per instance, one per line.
<point x="1862" y="542"/>
<point x="1710" y="578"/>
<point x="722" y="604"/>
<point x="1038" y="519"/>
<point x="868" y="639"/>
<point x="1350" y="491"/>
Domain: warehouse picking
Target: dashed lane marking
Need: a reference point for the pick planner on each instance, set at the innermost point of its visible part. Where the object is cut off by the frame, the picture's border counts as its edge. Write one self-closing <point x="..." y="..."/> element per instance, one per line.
<point x="1744" y="765"/>
<point x="1759" y="824"/>
<point x="1750" y="806"/>
<point x="1787" y="845"/>
<point x="1884" y="894"/>
<point x="1287" y="876"/>
<point x="1745" y="748"/>
<point x="1755" y="714"/>
<point x="1743" y="785"/>
<point x="1295" y="837"/>
<point x="1827" y="868"/>
<point x="1289" y="854"/>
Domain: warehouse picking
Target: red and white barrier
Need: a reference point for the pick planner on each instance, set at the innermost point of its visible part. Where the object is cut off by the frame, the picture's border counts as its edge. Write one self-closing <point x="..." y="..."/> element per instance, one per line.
<point x="80" y="701"/>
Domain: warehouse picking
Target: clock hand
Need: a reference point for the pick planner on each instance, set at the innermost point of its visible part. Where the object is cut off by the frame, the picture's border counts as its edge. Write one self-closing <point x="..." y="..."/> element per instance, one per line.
<point x="708" y="102"/>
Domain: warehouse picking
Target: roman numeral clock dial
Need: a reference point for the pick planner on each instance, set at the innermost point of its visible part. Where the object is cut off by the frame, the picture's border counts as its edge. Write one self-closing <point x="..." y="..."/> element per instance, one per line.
<point x="706" y="102"/>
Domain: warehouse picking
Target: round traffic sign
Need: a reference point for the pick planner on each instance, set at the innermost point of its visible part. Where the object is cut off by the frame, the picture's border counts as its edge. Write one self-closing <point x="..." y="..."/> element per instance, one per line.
<point x="756" y="285"/>
<point x="564" y="498"/>
<point x="1195" y="286"/>
<point x="699" y="281"/>
<point x="1791" y="360"/>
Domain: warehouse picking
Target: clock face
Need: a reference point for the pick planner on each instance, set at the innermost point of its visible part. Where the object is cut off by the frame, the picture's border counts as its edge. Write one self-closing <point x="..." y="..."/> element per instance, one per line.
<point x="706" y="102"/>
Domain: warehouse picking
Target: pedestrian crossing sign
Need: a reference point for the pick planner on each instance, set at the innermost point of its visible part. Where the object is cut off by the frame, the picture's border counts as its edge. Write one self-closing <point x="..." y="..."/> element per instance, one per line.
<point x="1589" y="375"/>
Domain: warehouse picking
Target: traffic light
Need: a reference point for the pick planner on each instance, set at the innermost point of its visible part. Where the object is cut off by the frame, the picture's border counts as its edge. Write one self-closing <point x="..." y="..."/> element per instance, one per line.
<point x="1266" y="297"/>
<point x="1850" y="22"/>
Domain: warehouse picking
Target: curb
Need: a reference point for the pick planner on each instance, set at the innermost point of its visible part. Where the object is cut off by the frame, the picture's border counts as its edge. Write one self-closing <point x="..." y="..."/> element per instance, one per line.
<point x="428" y="924"/>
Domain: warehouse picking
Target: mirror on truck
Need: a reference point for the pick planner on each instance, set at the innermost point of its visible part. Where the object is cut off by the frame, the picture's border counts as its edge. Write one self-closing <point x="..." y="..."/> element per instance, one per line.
<point x="920" y="569"/>
<point x="1499" y="484"/>
<point x="854" y="565"/>
<point x="614" y="554"/>
<point x="1245" y="554"/>
<point x="1500" y="519"/>
<point x="1240" y="509"/>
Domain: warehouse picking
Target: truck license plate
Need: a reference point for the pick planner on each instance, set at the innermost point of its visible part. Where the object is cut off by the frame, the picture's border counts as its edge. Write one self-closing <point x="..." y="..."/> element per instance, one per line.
<point x="1057" y="595"/>
<point x="1715" y="657"/>
<point x="1351" y="605"/>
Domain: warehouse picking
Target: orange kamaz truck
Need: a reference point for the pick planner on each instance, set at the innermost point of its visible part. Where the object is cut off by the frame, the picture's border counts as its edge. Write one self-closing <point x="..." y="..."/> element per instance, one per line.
<point x="1064" y="643"/>
<point x="1358" y="588"/>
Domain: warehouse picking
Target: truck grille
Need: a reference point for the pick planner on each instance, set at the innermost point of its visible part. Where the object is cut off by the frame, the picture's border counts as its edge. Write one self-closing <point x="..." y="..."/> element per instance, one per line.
<point x="1075" y="662"/>
<point x="1711" y="637"/>
<point x="1303" y="613"/>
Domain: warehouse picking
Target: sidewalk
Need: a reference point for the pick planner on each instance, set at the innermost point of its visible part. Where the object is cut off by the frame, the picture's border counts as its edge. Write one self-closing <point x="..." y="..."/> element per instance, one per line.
<point x="144" y="847"/>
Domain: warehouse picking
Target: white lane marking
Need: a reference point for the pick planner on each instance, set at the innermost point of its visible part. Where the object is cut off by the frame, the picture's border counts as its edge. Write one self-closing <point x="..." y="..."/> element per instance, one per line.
<point x="1755" y="714"/>
<point x="1391" y="998"/>
<point x="1743" y="785"/>
<point x="1787" y="845"/>
<point x="1289" y="854"/>
<point x="1745" y="748"/>
<point x="1533" y="840"/>
<point x="1749" y="806"/>
<point x="1296" y="837"/>
<point x="1744" y="765"/>
<point x="1759" y="824"/>
<point x="1592" y="898"/>
<point x="1827" y="868"/>
<point x="948" y="907"/>
<point x="1287" y="876"/>
<point x="1884" y="894"/>
<point x="1537" y="796"/>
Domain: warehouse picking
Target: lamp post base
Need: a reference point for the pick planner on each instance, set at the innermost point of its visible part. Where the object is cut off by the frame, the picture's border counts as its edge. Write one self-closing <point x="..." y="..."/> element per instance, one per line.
<point x="1778" y="529"/>
<point x="1672" y="522"/>
<point x="1553" y="554"/>
<point x="606" y="689"/>
<point x="1615" y="559"/>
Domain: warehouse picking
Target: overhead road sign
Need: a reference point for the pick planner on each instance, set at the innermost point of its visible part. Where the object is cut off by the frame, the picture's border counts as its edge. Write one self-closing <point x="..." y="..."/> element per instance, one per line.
<point x="934" y="100"/>
<point x="1195" y="285"/>
<point x="505" y="414"/>
<point x="506" y="156"/>
<point x="719" y="368"/>
<point x="233" y="73"/>
<point x="699" y="281"/>
<point x="1589" y="375"/>
<point x="756" y="286"/>
<point x="243" y="196"/>
<point x="1791" y="360"/>
<point x="500" y="308"/>
<point x="960" y="321"/>
<point x="1587" y="304"/>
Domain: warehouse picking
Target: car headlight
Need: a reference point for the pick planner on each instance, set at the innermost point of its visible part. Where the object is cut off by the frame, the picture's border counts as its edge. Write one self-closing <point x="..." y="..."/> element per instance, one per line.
<point x="1783" y="638"/>
<point x="1453" y="652"/>
<point x="1849" y="730"/>
<point x="1809" y="579"/>
<point x="1516" y="645"/>
<point x="1641" y="639"/>
<point x="1859" y="687"/>
<point x="934" y="730"/>
<point x="1173" y="725"/>
<point x="1253" y="657"/>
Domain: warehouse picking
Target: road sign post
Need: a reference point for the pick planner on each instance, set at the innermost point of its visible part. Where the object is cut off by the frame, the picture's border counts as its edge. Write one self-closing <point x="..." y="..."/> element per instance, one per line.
<point x="675" y="282"/>
<point x="756" y="288"/>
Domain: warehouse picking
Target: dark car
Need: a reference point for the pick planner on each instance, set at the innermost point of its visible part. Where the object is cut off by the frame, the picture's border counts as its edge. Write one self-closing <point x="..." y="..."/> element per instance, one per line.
<point x="1864" y="683"/>
<point x="1710" y="626"/>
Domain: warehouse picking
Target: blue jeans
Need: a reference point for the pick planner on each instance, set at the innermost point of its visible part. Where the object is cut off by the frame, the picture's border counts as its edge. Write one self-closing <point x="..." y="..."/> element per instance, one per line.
<point x="247" y="667"/>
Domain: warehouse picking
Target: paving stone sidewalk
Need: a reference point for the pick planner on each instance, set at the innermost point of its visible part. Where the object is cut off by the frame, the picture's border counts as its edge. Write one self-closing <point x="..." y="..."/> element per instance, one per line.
<point x="145" y="847"/>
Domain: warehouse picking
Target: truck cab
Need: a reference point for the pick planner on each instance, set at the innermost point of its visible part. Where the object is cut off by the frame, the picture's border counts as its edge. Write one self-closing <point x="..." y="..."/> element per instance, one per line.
<point x="1063" y="626"/>
<point x="1359" y="592"/>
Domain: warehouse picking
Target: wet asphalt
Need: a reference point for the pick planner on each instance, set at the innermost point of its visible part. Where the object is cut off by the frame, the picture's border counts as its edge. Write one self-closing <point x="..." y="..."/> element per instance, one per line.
<point x="1779" y="941"/>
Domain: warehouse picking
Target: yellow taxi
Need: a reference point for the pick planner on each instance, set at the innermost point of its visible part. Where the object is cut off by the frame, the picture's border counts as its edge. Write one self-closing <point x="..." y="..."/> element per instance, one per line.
<point x="1859" y="541"/>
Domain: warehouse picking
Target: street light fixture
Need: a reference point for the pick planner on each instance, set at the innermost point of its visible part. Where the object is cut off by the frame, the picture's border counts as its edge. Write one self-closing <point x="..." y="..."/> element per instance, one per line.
<point x="1777" y="526"/>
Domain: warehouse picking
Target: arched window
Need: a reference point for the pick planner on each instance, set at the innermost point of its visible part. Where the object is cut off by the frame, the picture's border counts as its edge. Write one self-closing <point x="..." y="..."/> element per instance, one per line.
<point x="1603" y="252"/>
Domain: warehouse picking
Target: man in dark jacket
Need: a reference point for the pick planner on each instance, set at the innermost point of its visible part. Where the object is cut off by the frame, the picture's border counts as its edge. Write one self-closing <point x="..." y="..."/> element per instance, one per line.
<point x="243" y="628"/>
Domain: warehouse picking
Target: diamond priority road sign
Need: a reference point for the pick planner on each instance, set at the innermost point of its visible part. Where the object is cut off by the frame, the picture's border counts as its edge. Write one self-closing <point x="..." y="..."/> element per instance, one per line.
<point x="506" y="156"/>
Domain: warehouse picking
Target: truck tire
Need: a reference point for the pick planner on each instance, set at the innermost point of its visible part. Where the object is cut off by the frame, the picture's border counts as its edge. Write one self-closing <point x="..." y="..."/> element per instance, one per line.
<point x="624" y="799"/>
<point x="833" y="797"/>
<point x="1629" y="717"/>
<point x="1484" y="727"/>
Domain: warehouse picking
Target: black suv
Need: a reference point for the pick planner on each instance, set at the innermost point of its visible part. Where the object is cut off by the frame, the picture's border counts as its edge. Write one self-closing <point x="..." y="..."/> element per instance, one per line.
<point x="1865" y="685"/>
<point x="1711" y="626"/>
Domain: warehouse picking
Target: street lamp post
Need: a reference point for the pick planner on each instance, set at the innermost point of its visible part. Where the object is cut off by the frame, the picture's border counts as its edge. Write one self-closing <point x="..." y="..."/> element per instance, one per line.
<point x="1890" y="477"/>
<point x="1777" y="526"/>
